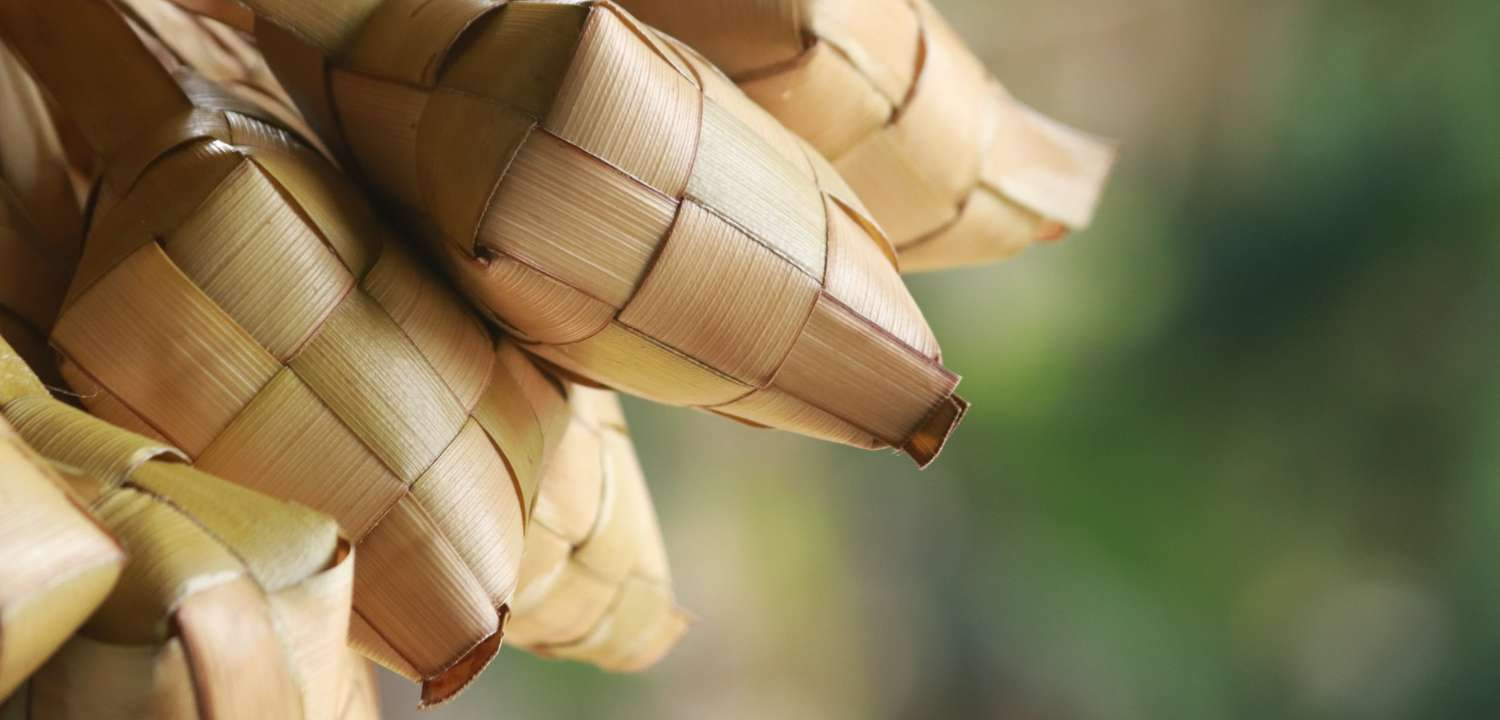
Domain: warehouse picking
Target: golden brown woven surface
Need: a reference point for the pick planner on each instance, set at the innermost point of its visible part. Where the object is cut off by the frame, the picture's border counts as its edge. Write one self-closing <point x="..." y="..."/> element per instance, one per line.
<point x="595" y="457"/>
<point x="955" y="169"/>
<point x="239" y="299"/>
<point x="230" y="604"/>
<point x="594" y="583"/>
<point x="621" y="206"/>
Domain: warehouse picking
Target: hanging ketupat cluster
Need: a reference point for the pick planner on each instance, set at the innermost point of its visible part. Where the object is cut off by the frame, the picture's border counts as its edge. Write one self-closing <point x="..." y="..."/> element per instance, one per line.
<point x="597" y="189"/>
<point x="238" y="299"/>
<point x="155" y="358"/>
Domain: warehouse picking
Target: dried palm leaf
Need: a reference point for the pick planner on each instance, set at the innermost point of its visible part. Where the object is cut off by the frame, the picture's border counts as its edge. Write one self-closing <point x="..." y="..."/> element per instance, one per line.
<point x="593" y="527"/>
<point x="231" y="604"/>
<point x="58" y="565"/>
<point x="594" y="582"/>
<point x="955" y="169"/>
<point x="32" y="160"/>
<point x="40" y="223"/>
<point x="237" y="298"/>
<point x="621" y="206"/>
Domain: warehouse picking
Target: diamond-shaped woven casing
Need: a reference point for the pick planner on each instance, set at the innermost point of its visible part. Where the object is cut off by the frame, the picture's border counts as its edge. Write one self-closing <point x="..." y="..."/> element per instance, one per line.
<point x="594" y="582"/>
<point x="955" y="169"/>
<point x="230" y="605"/>
<point x="239" y="299"/>
<point x="619" y="204"/>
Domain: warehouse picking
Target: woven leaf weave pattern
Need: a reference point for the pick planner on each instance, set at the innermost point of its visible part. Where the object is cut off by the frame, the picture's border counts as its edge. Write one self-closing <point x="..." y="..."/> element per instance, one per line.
<point x="622" y="207"/>
<point x="957" y="170"/>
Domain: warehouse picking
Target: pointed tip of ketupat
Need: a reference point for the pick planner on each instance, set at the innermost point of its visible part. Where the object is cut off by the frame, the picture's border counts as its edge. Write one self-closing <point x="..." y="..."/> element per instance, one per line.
<point x="446" y="685"/>
<point x="932" y="435"/>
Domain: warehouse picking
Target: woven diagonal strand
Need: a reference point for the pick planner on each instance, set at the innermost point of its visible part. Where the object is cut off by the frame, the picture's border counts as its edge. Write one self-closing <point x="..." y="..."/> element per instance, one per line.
<point x="211" y="38"/>
<point x="230" y="605"/>
<point x="615" y="201"/>
<point x="238" y="299"/>
<point x="955" y="169"/>
<point x="594" y="582"/>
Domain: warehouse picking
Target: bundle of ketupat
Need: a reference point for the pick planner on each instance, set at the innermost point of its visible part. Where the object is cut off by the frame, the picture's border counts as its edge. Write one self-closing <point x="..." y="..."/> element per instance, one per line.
<point x="955" y="169"/>
<point x="238" y="298"/>
<point x="230" y="604"/>
<point x="601" y="192"/>
<point x="624" y="209"/>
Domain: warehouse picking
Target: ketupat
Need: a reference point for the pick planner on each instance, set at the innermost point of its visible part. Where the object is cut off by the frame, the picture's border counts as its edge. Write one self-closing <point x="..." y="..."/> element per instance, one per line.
<point x="621" y="206"/>
<point x="346" y="378"/>
<point x="594" y="583"/>
<point x="955" y="169"/>
<point x="230" y="605"/>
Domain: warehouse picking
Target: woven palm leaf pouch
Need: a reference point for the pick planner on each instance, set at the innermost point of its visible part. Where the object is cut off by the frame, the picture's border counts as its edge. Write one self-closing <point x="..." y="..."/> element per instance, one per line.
<point x="955" y="169"/>
<point x="595" y="585"/>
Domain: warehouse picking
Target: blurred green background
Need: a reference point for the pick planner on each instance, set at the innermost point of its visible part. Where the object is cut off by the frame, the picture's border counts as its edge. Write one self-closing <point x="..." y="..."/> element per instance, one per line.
<point x="1234" y="452"/>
